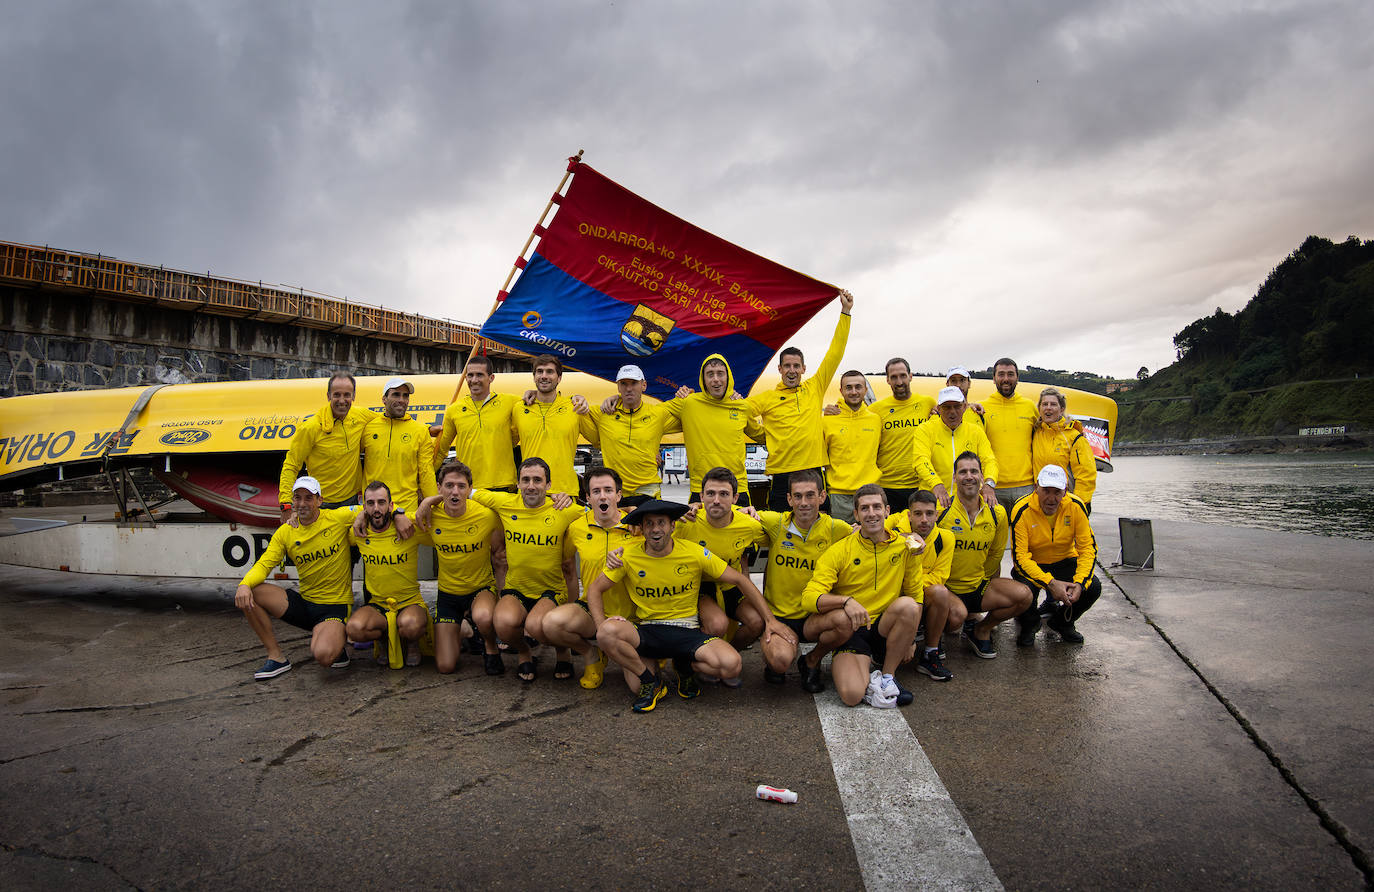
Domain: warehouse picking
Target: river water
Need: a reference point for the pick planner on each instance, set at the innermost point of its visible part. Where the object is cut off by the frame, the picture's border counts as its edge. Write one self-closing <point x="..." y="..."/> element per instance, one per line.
<point x="1324" y="495"/>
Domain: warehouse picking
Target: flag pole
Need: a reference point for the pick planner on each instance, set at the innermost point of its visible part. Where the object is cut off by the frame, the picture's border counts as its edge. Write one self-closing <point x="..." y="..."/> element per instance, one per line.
<point x="519" y="264"/>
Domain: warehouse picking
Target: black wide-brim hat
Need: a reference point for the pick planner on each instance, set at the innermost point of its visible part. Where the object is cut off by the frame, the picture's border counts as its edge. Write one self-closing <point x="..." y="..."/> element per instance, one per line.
<point x="673" y="510"/>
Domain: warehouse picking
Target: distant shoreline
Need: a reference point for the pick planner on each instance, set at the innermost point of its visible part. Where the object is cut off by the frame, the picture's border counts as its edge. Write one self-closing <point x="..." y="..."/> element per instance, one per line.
<point x="1273" y="445"/>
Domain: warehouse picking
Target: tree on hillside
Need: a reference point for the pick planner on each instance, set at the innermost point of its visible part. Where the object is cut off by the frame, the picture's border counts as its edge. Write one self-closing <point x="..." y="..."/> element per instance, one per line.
<point x="1142" y="374"/>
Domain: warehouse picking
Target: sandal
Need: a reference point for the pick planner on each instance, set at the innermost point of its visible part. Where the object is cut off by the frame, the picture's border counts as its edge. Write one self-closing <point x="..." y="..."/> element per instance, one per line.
<point x="563" y="670"/>
<point x="493" y="664"/>
<point x="525" y="671"/>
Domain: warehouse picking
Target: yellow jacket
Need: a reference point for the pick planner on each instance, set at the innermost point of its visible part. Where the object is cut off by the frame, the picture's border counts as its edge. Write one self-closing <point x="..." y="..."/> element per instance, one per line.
<point x="978" y="543"/>
<point x="1063" y="443"/>
<point x="550" y="431"/>
<point x="935" y="447"/>
<point x="400" y="453"/>
<point x="629" y="441"/>
<point x="790" y="414"/>
<point x="851" y="448"/>
<point x="320" y="552"/>
<point x="1007" y="421"/>
<point x="1037" y="539"/>
<point x="330" y="452"/>
<point x="873" y="573"/>
<point x="715" y="430"/>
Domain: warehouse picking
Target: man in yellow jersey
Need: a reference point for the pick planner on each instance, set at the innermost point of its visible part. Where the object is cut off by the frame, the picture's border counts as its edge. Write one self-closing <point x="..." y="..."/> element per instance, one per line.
<point x="597" y="532"/>
<point x="715" y="426"/>
<point x="900" y="414"/>
<point x="628" y="431"/>
<point x="538" y="577"/>
<point x="729" y="534"/>
<point x="1007" y="420"/>
<point x="548" y="424"/>
<point x="393" y="614"/>
<point x="937" y="443"/>
<point x="1053" y="548"/>
<point x="318" y="546"/>
<point x="467" y="538"/>
<point x="919" y="518"/>
<point x="791" y="412"/>
<point x="663" y="578"/>
<point x="796" y="539"/>
<point x="398" y="450"/>
<point x="851" y="446"/>
<point x="327" y="446"/>
<point x="480" y="427"/>
<point x="871" y="584"/>
<point x="980" y="536"/>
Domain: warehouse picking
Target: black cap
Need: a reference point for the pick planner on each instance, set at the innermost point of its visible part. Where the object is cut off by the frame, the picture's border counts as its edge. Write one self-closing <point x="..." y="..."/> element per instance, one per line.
<point x="673" y="510"/>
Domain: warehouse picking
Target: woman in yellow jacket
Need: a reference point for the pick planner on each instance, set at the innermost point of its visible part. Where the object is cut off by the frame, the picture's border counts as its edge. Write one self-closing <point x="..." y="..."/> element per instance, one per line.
<point x="1059" y="440"/>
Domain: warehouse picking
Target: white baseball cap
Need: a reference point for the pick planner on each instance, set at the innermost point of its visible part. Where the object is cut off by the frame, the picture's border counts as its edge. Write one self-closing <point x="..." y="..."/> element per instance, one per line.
<point x="957" y="370"/>
<point x="949" y="395"/>
<point x="309" y="484"/>
<point x="395" y="383"/>
<point x="1053" y="475"/>
<point x="630" y="373"/>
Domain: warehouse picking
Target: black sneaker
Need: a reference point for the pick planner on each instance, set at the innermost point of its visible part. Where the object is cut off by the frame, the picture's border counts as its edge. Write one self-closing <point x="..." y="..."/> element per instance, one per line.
<point x="650" y="692"/>
<point x="1065" y="629"/>
<point x="983" y="648"/>
<point x="930" y="664"/>
<point x="341" y="661"/>
<point x="773" y="677"/>
<point x="687" y="686"/>
<point x="476" y="646"/>
<point x="968" y="627"/>
<point x="904" y="697"/>
<point x="810" y="676"/>
<point x="272" y="668"/>
<point x="1026" y="636"/>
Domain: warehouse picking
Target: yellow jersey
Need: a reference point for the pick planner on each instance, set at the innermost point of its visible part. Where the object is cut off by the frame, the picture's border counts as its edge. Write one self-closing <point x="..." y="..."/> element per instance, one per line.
<point x="666" y="588"/>
<point x="873" y="573"/>
<point x="728" y="542"/>
<point x="590" y="542"/>
<point x="851" y="449"/>
<point x="978" y="543"/>
<point x="629" y="441"/>
<point x="1007" y="421"/>
<point x="400" y="453"/>
<point x="534" y="542"/>
<point x="792" y="556"/>
<point x="938" y="557"/>
<point x="320" y="552"/>
<point x="790" y="414"/>
<point x="482" y="436"/>
<point x="392" y="570"/>
<point x="550" y="431"/>
<point x="900" y="418"/>
<point x="1063" y="443"/>
<point x="463" y="547"/>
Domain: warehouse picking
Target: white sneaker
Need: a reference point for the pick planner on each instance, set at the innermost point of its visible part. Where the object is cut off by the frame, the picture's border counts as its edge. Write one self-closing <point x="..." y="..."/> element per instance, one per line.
<point x="876" y="696"/>
<point x="413" y="654"/>
<point x="888" y="685"/>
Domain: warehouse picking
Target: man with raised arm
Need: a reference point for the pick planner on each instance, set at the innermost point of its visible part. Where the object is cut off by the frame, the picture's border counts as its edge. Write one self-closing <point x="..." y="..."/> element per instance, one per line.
<point x="318" y="546"/>
<point x="900" y="414"/>
<point x="796" y="539"/>
<point x="791" y="412"/>
<point x="628" y="429"/>
<point x="1053" y="548"/>
<point x="597" y="532"/>
<point x="327" y="446"/>
<point x="851" y="446"/>
<point x="1008" y="419"/>
<point x="398" y="450"/>
<point x="975" y="579"/>
<point x="480" y="427"/>
<point x="728" y="533"/>
<point x="393" y="615"/>
<point x="937" y="443"/>
<point x="871" y="583"/>
<point x="663" y="578"/>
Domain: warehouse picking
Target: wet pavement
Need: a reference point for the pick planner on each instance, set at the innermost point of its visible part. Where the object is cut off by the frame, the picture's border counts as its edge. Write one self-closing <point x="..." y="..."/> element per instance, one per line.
<point x="137" y="751"/>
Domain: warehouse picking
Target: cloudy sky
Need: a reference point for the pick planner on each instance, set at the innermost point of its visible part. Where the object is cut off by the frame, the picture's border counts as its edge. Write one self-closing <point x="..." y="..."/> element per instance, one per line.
<point x="1069" y="183"/>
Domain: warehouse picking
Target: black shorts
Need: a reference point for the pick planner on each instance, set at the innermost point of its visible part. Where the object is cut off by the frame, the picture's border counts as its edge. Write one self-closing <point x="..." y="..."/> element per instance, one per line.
<point x="898" y="500"/>
<point x="867" y="642"/>
<point x="728" y="599"/>
<point x="658" y="641"/>
<point x="529" y="602"/>
<point x="450" y="608"/>
<point x="307" y="615"/>
<point x="797" y="626"/>
<point x="973" y="600"/>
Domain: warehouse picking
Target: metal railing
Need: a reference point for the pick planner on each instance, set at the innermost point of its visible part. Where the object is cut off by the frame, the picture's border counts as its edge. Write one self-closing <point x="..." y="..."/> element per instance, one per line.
<point x="33" y="265"/>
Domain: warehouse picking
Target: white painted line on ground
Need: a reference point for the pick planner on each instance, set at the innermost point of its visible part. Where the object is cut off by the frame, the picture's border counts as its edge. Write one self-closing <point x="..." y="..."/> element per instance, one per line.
<point x="908" y="833"/>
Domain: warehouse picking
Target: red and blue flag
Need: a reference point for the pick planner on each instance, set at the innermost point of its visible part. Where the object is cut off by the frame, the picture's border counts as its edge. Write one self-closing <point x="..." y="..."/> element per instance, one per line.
<point x="617" y="280"/>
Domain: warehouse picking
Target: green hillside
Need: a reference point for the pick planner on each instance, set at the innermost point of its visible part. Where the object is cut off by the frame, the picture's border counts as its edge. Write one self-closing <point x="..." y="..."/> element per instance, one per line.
<point x="1299" y="354"/>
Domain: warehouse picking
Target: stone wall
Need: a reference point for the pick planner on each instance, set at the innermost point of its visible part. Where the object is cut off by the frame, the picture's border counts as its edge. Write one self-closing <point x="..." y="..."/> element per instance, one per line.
<point x="63" y="340"/>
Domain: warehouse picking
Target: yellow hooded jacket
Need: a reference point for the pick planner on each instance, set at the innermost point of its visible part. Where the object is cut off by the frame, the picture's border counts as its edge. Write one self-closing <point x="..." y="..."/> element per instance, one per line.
<point x="329" y="450"/>
<point x="715" y="430"/>
<point x="1039" y="541"/>
<point x="1063" y="443"/>
<point x="935" y="447"/>
<point x="790" y="414"/>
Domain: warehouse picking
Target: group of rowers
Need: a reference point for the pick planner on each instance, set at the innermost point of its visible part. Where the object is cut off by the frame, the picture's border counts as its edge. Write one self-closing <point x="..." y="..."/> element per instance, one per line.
<point x="884" y="528"/>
